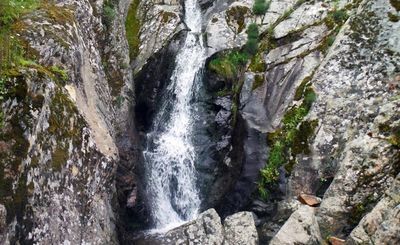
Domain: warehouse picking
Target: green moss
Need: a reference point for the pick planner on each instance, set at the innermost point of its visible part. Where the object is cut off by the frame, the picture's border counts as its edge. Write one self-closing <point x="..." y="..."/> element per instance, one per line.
<point x="229" y="64"/>
<point x="109" y="13"/>
<point x="393" y="17"/>
<point x="360" y="209"/>
<point x="59" y="72"/>
<point x="258" y="81"/>
<point x="384" y="128"/>
<point x="224" y="92"/>
<point x="337" y="17"/>
<point x="257" y="63"/>
<point x="13" y="10"/>
<point x="395" y="4"/>
<point x="132" y="28"/>
<point x="237" y="15"/>
<point x="394" y="139"/>
<point x="301" y="140"/>
<point x="267" y="41"/>
<point x="60" y="15"/>
<point x="59" y="158"/>
<point x="291" y="139"/>
<point x="300" y="91"/>
<point x="61" y="125"/>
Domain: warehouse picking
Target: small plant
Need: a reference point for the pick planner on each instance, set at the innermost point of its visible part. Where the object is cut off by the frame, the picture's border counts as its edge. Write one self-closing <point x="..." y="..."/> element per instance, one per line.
<point x="330" y="40"/>
<point x="337" y="17"/>
<point x="251" y="46"/>
<point x="394" y="139"/>
<point x="227" y="65"/>
<point x="252" y="31"/>
<point x="61" y="73"/>
<point x="11" y="10"/>
<point x="289" y="140"/>
<point x="252" y="39"/>
<point x="260" y="7"/>
<point x="132" y="29"/>
<point x="108" y="13"/>
<point x="2" y="93"/>
<point x="2" y="88"/>
<point x="119" y="100"/>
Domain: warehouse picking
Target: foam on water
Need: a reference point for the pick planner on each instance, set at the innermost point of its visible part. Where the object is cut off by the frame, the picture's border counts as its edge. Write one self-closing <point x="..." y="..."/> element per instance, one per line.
<point x="170" y="156"/>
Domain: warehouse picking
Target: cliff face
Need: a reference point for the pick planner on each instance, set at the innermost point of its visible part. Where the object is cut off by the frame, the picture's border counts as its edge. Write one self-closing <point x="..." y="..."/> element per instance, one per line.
<point x="64" y="122"/>
<point x="314" y="110"/>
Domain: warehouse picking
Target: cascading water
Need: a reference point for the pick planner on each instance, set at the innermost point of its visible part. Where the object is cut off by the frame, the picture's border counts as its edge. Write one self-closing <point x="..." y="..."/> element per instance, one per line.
<point x="170" y="156"/>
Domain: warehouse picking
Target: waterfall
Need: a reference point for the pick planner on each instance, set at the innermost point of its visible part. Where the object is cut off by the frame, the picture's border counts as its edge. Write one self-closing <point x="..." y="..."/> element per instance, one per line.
<point x="170" y="176"/>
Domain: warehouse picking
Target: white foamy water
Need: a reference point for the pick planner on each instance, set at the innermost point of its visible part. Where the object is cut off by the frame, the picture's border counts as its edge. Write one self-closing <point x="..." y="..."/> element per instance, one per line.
<point x="170" y="157"/>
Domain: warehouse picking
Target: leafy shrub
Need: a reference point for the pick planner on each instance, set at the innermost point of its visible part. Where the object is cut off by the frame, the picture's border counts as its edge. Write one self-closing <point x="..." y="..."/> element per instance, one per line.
<point x="260" y="7"/>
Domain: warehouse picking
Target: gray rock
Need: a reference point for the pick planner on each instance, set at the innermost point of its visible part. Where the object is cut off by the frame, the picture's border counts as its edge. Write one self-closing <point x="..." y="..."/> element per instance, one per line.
<point x="227" y="29"/>
<point x="161" y="21"/>
<point x="3" y="216"/>
<point x="353" y="100"/>
<point x="300" y="228"/>
<point x="240" y="229"/>
<point x="382" y="224"/>
<point x="305" y="15"/>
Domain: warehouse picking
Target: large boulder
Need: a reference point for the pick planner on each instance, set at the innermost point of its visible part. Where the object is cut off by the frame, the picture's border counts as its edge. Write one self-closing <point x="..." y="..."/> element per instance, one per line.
<point x="208" y="229"/>
<point x="382" y="224"/>
<point x="240" y="229"/>
<point x="301" y="228"/>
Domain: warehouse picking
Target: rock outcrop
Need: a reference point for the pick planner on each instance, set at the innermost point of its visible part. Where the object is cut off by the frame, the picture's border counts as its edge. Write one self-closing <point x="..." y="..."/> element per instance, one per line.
<point x="63" y="126"/>
<point x="300" y="228"/>
<point x="208" y="229"/>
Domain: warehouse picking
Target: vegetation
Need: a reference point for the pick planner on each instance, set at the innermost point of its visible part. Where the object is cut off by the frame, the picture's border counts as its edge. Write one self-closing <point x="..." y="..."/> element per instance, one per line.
<point x="228" y="65"/>
<point x="260" y="7"/>
<point x="289" y="140"/>
<point x="132" y="28"/>
<point x="257" y="63"/>
<point x="335" y="18"/>
<point x="109" y="13"/>
<point x="252" y="39"/>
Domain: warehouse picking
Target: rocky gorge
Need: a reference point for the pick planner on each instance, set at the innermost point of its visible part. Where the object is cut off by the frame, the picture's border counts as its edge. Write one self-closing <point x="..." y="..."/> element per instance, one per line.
<point x="294" y="120"/>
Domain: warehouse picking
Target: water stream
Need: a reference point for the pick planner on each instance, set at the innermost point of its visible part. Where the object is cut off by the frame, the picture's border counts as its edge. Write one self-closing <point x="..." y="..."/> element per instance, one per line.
<point x="170" y="156"/>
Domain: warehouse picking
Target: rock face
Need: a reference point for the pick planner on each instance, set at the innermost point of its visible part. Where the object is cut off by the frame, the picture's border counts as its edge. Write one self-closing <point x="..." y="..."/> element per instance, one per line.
<point x="240" y="229"/>
<point x="160" y="22"/>
<point x="3" y="224"/>
<point x="381" y="225"/>
<point x="207" y="229"/>
<point x="300" y="228"/>
<point x="360" y="101"/>
<point x="351" y="63"/>
<point x="63" y="128"/>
